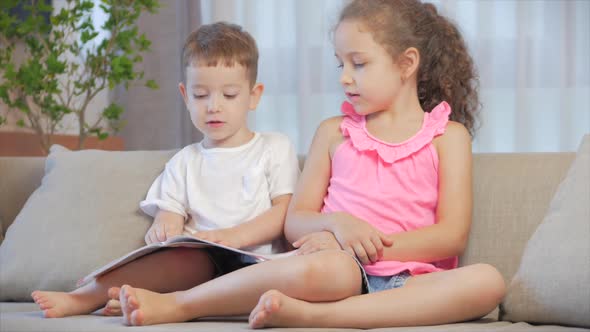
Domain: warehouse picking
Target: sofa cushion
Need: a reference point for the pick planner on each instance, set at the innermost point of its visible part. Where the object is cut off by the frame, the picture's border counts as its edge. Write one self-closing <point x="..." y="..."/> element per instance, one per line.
<point x="84" y="214"/>
<point x="22" y="176"/>
<point x="551" y="284"/>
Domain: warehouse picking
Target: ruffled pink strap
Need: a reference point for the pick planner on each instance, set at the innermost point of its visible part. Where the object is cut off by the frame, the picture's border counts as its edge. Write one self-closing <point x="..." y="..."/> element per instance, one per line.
<point x="354" y="126"/>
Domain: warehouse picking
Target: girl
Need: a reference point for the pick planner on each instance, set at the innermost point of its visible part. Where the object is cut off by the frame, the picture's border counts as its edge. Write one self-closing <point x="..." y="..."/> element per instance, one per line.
<point x="393" y="164"/>
<point x="384" y="203"/>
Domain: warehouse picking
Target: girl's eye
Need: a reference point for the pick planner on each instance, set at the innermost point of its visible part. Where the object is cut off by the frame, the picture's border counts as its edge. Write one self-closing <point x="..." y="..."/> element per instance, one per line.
<point x="230" y="96"/>
<point x="340" y="65"/>
<point x="199" y="96"/>
<point x="359" y="65"/>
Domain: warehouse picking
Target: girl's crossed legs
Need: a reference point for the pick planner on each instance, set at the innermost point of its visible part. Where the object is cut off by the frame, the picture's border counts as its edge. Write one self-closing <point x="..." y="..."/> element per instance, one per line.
<point x="457" y="295"/>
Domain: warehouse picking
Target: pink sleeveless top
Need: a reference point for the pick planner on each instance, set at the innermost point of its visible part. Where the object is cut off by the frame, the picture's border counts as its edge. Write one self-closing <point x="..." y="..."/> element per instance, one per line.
<point x="394" y="187"/>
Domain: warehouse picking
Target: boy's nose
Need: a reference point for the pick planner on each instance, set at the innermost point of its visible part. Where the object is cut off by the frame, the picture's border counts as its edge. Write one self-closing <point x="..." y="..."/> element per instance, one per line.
<point x="213" y="105"/>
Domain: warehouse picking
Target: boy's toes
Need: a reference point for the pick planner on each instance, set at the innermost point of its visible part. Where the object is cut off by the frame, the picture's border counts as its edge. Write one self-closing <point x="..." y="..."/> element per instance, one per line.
<point x="35" y="295"/>
<point x="128" y="301"/>
<point x="113" y="308"/>
<point x="137" y="318"/>
<point x="257" y="321"/>
<point x="51" y="313"/>
<point x="113" y="293"/>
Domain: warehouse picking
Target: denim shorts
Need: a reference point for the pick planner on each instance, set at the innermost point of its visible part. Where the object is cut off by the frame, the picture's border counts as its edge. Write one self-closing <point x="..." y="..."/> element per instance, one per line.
<point x="372" y="284"/>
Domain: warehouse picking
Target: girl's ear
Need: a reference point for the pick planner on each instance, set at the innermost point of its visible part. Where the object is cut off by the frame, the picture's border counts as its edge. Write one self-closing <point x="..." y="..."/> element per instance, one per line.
<point x="409" y="61"/>
<point x="255" y="95"/>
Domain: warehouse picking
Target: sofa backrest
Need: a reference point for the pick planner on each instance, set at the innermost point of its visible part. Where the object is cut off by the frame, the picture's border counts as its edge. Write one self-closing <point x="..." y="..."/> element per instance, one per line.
<point x="511" y="195"/>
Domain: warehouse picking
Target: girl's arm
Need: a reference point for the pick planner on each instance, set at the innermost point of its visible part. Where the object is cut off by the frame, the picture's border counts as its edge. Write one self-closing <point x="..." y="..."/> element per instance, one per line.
<point x="304" y="215"/>
<point x="353" y="235"/>
<point x="262" y="229"/>
<point x="448" y="237"/>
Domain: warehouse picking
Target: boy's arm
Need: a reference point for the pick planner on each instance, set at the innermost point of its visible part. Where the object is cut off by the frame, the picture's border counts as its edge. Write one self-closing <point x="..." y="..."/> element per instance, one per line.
<point x="267" y="226"/>
<point x="166" y="225"/>
<point x="448" y="237"/>
<point x="262" y="229"/>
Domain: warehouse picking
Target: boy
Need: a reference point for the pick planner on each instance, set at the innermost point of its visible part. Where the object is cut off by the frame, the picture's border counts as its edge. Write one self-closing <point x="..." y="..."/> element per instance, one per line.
<point x="233" y="187"/>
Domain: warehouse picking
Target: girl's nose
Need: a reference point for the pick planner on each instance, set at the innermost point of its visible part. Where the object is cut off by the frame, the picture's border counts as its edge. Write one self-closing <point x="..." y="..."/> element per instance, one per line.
<point x="345" y="78"/>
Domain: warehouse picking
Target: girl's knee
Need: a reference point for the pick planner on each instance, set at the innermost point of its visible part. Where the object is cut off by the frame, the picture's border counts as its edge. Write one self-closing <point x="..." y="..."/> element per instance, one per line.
<point x="491" y="287"/>
<point x="331" y="270"/>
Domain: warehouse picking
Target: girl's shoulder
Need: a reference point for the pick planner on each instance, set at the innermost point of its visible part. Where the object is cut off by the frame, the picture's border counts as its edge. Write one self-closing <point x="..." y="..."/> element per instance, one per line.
<point x="455" y="133"/>
<point x="331" y="126"/>
<point x="453" y="147"/>
<point x="327" y="136"/>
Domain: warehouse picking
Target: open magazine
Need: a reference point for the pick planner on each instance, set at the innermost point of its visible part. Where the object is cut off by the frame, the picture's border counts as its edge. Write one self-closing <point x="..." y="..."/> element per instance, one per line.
<point x="176" y="241"/>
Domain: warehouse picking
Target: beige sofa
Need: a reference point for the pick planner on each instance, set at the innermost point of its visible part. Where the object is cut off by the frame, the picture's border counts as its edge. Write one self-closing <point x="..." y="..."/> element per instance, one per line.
<point x="512" y="193"/>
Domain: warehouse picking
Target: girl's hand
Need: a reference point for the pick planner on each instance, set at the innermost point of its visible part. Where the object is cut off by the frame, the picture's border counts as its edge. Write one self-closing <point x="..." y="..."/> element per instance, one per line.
<point x="164" y="228"/>
<point x="359" y="238"/>
<point x="226" y="236"/>
<point x="316" y="242"/>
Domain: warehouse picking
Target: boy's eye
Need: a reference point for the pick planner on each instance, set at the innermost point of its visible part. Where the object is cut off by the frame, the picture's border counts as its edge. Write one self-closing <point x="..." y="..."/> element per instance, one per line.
<point x="340" y="65"/>
<point x="230" y="96"/>
<point x="199" y="96"/>
<point x="359" y="65"/>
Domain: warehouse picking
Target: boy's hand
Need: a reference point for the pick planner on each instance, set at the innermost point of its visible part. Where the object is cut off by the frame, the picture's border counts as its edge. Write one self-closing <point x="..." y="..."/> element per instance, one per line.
<point x="359" y="238"/>
<point x="316" y="242"/>
<point x="165" y="226"/>
<point x="227" y="236"/>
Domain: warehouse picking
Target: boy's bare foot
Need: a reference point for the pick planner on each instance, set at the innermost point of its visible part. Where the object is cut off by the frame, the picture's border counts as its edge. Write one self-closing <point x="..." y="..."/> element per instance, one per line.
<point x="60" y="304"/>
<point x="113" y="307"/>
<point x="275" y="309"/>
<point x="143" y="307"/>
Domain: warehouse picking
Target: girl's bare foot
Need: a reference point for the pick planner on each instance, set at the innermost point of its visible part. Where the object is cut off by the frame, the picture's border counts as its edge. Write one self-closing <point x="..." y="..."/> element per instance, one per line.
<point x="113" y="307"/>
<point x="143" y="307"/>
<point x="60" y="304"/>
<point x="275" y="309"/>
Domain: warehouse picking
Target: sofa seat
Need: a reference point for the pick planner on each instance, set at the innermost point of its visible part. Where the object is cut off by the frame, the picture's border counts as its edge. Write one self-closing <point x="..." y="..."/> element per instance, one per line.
<point x="26" y="317"/>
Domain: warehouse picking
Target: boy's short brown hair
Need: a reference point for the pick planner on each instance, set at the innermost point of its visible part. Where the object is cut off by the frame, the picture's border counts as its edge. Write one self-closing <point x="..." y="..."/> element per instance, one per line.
<point x="223" y="43"/>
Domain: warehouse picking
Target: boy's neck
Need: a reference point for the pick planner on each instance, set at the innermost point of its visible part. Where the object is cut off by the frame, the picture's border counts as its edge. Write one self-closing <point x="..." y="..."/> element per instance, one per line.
<point x="230" y="142"/>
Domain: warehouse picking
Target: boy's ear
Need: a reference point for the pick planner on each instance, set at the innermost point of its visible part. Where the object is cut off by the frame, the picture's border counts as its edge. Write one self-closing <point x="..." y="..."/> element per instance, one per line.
<point x="408" y="62"/>
<point x="182" y="89"/>
<point x="255" y="95"/>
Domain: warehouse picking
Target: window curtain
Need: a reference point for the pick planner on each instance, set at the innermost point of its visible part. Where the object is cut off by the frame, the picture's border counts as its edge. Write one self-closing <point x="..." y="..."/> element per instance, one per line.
<point x="532" y="59"/>
<point x="157" y="119"/>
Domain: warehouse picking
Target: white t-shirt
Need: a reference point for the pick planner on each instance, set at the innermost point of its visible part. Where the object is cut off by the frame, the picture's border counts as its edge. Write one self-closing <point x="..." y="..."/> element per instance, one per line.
<point x="223" y="187"/>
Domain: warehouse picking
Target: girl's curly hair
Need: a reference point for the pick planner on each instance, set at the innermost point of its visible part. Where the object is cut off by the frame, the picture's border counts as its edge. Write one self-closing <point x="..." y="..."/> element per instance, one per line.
<point x="446" y="71"/>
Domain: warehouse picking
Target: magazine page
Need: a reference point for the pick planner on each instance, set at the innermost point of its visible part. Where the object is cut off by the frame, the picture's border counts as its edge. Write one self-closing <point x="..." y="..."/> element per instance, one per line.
<point x="177" y="241"/>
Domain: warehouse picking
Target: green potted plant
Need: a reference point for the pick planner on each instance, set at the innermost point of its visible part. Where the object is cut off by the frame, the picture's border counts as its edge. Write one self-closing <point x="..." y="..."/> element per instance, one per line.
<point x="54" y="63"/>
